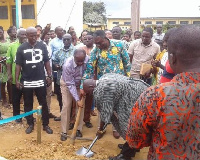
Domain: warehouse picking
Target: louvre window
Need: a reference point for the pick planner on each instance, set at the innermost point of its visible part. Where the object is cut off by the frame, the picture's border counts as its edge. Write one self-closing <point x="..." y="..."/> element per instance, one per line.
<point x="196" y="22"/>
<point x="183" y="22"/>
<point x="3" y="12"/>
<point x="159" y="22"/>
<point x="28" y="12"/>
<point x="115" y="22"/>
<point x="148" y="22"/>
<point x="172" y="22"/>
<point x="127" y="23"/>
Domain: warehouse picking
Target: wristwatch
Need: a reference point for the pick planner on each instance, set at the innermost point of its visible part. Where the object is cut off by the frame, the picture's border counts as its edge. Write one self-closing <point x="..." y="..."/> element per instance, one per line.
<point x="50" y="77"/>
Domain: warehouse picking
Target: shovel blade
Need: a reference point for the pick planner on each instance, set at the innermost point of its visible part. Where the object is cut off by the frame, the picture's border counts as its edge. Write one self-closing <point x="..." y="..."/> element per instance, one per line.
<point x="83" y="152"/>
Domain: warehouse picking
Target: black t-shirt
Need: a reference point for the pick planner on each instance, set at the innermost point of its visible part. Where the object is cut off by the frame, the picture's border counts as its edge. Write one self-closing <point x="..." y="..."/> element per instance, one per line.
<point x="32" y="60"/>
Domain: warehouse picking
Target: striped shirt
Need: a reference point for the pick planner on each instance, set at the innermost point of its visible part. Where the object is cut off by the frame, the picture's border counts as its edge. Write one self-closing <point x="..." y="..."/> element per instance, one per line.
<point x="115" y="96"/>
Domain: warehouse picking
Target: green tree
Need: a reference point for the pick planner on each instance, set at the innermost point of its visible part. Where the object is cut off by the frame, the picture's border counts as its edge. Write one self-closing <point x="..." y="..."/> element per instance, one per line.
<point x="93" y="18"/>
<point x="92" y="10"/>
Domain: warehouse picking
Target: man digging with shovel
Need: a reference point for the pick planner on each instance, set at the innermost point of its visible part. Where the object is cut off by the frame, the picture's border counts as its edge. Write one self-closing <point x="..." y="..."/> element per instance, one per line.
<point x="70" y="81"/>
<point x="114" y="97"/>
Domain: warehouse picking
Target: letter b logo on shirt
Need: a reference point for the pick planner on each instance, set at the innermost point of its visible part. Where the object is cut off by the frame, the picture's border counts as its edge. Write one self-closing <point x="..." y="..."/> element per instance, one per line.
<point x="36" y="55"/>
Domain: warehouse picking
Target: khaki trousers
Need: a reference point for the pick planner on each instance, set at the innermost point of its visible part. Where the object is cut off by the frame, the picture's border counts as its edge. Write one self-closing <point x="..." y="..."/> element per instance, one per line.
<point x="66" y="109"/>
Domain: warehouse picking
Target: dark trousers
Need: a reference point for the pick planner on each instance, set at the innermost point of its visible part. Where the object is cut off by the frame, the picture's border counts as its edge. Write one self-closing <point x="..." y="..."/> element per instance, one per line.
<point x="88" y="106"/>
<point x="59" y="95"/>
<point x="16" y="96"/>
<point x="40" y="93"/>
<point x="128" y="151"/>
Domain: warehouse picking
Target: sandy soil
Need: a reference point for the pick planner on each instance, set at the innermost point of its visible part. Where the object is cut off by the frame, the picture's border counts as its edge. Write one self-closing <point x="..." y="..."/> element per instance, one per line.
<point x="16" y="144"/>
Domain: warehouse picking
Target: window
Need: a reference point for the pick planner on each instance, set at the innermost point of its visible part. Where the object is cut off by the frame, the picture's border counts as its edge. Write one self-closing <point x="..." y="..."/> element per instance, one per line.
<point x="21" y="0"/>
<point x="172" y="22"/>
<point x="183" y="22"/>
<point x="196" y="22"/>
<point x="3" y="12"/>
<point x="115" y="22"/>
<point x="159" y="22"/>
<point x="148" y="22"/>
<point x="28" y="12"/>
<point x="127" y="23"/>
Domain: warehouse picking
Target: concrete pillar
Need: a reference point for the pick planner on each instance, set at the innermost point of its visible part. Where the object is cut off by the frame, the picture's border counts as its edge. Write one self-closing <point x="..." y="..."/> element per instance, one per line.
<point x="135" y="15"/>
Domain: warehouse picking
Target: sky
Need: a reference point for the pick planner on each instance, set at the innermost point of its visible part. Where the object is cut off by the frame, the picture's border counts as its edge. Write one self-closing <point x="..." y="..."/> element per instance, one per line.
<point x="153" y="8"/>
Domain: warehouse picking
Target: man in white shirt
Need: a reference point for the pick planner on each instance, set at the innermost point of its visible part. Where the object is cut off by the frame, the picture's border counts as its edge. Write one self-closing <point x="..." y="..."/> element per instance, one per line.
<point x="158" y="35"/>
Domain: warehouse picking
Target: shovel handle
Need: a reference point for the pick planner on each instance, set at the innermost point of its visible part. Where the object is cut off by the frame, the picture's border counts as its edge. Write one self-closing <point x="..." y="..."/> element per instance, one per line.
<point x="73" y="135"/>
<point x="91" y="145"/>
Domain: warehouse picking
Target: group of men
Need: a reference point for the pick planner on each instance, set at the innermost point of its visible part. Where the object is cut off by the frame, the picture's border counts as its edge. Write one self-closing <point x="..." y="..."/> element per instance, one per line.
<point x="164" y="117"/>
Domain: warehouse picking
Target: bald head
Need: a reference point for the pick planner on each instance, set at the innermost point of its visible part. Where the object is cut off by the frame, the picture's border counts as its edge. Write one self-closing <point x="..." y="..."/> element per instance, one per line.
<point x="21" y="35"/>
<point x="31" y="30"/>
<point x="184" y="48"/>
<point x="31" y="35"/>
<point x="168" y="33"/>
<point x="19" y="31"/>
<point x="89" y="85"/>
<point x="67" y="40"/>
<point x="79" y="56"/>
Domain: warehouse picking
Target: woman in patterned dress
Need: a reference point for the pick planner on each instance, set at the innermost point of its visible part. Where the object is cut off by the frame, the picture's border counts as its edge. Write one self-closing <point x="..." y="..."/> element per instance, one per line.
<point x="4" y="44"/>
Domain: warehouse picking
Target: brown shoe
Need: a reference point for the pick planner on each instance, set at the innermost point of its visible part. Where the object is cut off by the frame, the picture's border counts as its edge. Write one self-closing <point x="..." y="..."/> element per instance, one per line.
<point x="116" y="134"/>
<point x="93" y="113"/>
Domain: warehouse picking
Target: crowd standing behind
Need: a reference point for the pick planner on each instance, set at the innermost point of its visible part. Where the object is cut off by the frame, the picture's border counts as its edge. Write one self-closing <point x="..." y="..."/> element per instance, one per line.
<point x="98" y="64"/>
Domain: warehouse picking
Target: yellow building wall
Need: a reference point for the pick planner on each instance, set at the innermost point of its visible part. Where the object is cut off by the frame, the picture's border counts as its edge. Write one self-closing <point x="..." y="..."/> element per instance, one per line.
<point x="190" y="21"/>
<point x="6" y="23"/>
<point x="143" y="20"/>
<point x="92" y="29"/>
<point x="121" y="23"/>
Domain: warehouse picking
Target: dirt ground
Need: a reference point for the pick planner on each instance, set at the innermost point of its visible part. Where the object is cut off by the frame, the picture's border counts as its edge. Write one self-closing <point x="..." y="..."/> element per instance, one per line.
<point x="16" y="144"/>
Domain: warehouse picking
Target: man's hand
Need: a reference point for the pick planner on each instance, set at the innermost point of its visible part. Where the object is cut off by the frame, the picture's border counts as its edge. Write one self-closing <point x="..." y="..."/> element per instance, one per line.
<point x="48" y="81"/>
<point x="82" y="93"/>
<point x="80" y="104"/>
<point x="100" y="133"/>
<point x="47" y="28"/>
<point x="147" y="74"/>
<point x="156" y="63"/>
<point x="10" y="78"/>
<point x="19" y="85"/>
<point x="58" y="67"/>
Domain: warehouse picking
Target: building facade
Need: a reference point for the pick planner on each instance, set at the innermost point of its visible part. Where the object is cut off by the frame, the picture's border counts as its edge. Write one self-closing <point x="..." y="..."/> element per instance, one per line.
<point x="125" y="23"/>
<point x="8" y="13"/>
<point x="62" y="13"/>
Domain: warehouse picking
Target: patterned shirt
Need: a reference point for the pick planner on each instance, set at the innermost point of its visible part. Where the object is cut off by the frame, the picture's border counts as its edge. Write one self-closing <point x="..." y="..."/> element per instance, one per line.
<point x="167" y="118"/>
<point x="113" y="60"/>
<point x="115" y="96"/>
<point x="127" y="44"/>
<point x="60" y="58"/>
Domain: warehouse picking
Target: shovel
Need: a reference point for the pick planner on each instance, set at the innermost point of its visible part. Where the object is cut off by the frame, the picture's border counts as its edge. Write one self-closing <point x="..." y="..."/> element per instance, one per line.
<point x="87" y="152"/>
<point x="73" y="135"/>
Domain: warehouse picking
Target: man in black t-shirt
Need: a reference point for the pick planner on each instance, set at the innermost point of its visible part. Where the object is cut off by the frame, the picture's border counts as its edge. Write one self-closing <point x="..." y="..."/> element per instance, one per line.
<point x="31" y="58"/>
